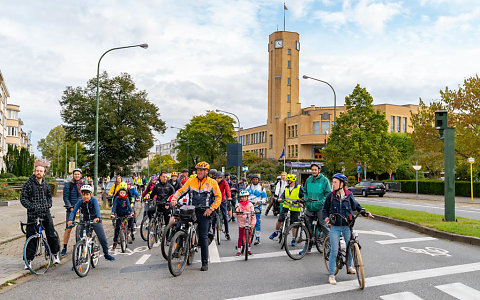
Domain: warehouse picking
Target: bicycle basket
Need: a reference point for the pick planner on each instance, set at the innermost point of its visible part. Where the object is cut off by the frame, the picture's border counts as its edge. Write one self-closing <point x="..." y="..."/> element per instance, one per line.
<point x="187" y="213"/>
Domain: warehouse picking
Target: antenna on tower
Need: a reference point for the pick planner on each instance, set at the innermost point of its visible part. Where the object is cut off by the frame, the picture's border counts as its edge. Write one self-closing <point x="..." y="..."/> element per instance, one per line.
<point x="277" y="27"/>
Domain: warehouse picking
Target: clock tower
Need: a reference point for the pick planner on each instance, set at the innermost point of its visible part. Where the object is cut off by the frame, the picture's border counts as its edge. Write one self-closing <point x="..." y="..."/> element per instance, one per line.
<point x="283" y="81"/>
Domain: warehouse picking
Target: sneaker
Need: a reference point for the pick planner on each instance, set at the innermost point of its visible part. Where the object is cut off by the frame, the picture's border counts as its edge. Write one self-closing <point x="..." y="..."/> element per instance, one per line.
<point x="29" y="265"/>
<point x="114" y="245"/>
<point x="250" y="252"/>
<point x="227" y="236"/>
<point x="233" y="219"/>
<point x="56" y="259"/>
<point x="109" y="257"/>
<point x="130" y="241"/>
<point x="257" y="241"/>
<point x="274" y="235"/>
<point x="204" y="267"/>
<point x="238" y="253"/>
<point x="64" y="252"/>
<point x="293" y="243"/>
<point x="331" y="279"/>
<point x="132" y="236"/>
<point x="351" y="270"/>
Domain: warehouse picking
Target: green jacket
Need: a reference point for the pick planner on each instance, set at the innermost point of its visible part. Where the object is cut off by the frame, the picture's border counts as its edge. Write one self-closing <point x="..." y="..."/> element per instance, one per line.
<point x="316" y="189"/>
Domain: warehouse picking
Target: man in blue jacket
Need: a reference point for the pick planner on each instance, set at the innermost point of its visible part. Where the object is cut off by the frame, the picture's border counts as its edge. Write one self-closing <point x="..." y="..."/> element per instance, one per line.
<point x="71" y="195"/>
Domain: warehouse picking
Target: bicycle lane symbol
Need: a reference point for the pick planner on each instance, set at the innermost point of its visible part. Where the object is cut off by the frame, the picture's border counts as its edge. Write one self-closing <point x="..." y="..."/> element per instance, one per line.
<point x="129" y="251"/>
<point x="432" y="251"/>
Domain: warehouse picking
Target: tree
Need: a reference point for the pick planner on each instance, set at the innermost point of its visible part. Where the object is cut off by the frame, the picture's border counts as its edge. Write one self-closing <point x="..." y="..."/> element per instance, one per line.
<point x="19" y="162"/>
<point x="127" y="121"/>
<point x="205" y="138"/>
<point x="51" y="144"/>
<point x="361" y="135"/>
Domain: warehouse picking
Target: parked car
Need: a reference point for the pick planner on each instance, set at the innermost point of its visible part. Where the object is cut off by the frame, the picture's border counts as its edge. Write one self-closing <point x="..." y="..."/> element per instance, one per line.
<point x="107" y="188"/>
<point x="366" y="188"/>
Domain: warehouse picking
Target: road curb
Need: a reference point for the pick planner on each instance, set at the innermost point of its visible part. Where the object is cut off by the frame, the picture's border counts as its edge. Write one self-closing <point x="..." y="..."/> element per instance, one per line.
<point x="471" y="240"/>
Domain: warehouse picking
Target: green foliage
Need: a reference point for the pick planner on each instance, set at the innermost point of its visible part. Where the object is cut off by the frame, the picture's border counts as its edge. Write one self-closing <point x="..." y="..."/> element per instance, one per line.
<point x="8" y="193"/>
<point x="53" y="187"/>
<point x="205" y="138"/>
<point x="19" y="162"/>
<point x="405" y="171"/>
<point x="361" y="135"/>
<point x="268" y="169"/>
<point x="127" y="121"/>
<point x="437" y="187"/>
<point x="7" y="175"/>
<point x="50" y="147"/>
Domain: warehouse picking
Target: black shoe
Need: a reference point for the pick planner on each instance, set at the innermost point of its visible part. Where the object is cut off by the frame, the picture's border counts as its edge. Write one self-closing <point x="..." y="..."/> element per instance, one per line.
<point x="204" y="267"/>
<point x="227" y="236"/>
<point x="266" y="213"/>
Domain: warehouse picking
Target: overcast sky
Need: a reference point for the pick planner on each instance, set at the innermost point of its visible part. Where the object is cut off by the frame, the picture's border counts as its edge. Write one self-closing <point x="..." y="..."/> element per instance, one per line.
<point x="213" y="53"/>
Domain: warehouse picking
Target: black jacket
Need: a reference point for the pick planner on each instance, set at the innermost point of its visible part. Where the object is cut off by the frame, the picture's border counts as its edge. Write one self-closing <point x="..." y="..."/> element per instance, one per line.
<point x="36" y="197"/>
<point x="177" y="184"/>
<point x="162" y="191"/>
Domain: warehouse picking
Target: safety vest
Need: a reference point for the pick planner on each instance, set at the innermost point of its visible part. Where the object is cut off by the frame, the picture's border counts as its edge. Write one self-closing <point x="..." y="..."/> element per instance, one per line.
<point x="293" y="195"/>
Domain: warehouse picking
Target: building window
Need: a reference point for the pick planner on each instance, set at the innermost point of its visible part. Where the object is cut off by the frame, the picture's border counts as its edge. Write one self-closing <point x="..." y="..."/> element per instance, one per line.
<point x="296" y="130"/>
<point x="288" y="114"/>
<point x="392" y="124"/>
<point x="12" y="114"/>
<point x="262" y="153"/>
<point x="289" y="65"/>
<point x="399" y="120"/>
<point x="12" y="131"/>
<point x="271" y="141"/>
<point x="289" y="51"/>
<point x="316" y="127"/>
<point x="288" y="98"/>
<point x="248" y="139"/>
<point x="404" y="125"/>
<point x="296" y="150"/>
<point x="325" y="127"/>
<point x="288" y="81"/>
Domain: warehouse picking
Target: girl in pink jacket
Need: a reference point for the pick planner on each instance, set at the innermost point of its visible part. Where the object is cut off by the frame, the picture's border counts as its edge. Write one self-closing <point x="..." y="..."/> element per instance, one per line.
<point x="245" y="207"/>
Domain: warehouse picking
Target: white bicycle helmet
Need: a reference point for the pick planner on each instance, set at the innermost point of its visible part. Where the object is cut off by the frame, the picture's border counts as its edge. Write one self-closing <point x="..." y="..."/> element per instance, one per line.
<point x="244" y="193"/>
<point x="87" y="187"/>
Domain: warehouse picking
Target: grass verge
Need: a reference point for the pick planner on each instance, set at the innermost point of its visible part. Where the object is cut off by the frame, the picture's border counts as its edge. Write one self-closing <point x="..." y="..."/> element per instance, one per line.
<point x="464" y="226"/>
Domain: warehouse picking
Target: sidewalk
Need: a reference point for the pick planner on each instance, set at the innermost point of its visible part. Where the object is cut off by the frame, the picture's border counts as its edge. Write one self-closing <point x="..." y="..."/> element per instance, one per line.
<point x="423" y="197"/>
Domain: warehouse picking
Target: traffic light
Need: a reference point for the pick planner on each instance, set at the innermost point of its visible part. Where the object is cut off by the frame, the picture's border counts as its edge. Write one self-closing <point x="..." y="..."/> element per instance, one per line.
<point x="441" y="121"/>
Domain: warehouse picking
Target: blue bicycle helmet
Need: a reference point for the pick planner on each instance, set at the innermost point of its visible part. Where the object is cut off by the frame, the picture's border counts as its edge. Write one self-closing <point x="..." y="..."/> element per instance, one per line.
<point x="341" y="177"/>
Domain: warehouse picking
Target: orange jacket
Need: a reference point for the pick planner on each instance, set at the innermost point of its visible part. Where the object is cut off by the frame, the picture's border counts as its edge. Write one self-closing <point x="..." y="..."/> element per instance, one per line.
<point x="203" y="192"/>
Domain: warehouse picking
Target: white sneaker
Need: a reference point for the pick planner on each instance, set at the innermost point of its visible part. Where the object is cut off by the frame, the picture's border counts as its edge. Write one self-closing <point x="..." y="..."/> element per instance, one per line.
<point x="29" y="264"/>
<point x="56" y="259"/>
<point x="331" y="279"/>
<point x="351" y="270"/>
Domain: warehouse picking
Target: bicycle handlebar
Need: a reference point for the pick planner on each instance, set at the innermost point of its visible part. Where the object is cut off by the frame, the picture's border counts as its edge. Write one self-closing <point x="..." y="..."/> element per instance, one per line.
<point x="332" y="217"/>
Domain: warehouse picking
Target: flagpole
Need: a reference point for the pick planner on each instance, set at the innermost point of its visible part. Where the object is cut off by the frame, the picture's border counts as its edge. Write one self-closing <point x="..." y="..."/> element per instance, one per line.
<point x="284" y="159"/>
<point x="284" y="16"/>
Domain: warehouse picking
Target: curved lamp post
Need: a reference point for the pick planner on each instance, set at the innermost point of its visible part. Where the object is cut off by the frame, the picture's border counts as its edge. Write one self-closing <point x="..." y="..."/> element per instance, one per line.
<point x="238" y="121"/>
<point x="334" y="97"/>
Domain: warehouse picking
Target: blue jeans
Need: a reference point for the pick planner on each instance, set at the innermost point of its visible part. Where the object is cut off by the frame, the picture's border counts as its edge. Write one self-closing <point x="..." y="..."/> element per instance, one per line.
<point x="335" y="232"/>
<point x="258" y="224"/>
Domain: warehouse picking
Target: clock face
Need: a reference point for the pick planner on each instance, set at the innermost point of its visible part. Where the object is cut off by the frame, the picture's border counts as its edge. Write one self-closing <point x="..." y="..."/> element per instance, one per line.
<point x="298" y="45"/>
<point x="278" y="44"/>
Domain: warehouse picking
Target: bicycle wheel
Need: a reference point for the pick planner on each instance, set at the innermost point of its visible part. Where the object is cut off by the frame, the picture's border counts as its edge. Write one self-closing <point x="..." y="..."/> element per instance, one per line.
<point x="78" y="233"/>
<point x="358" y="263"/>
<point x="246" y="241"/>
<point x="152" y="226"/>
<point x="123" y="239"/>
<point x="192" y="248"/>
<point x="167" y="237"/>
<point x="326" y="251"/>
<point x="298" y="233"/>
<point x="95" y="251"/>
<point x="177" y="253"/>
<point x="217" y="230"/>
<point x="319" y="237"/>
<point x="81" y="258"/>
<point x="144" y="228"/>
<point x="159" y="230"/>
<point x="42" y="258"/>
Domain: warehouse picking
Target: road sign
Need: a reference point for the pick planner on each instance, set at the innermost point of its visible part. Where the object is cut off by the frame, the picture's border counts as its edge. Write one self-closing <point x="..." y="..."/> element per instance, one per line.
<point x="71" y="166"/>
<point x="359" y="169"/>
<point x="471" y="160"/>
<point x="245" y="169"/>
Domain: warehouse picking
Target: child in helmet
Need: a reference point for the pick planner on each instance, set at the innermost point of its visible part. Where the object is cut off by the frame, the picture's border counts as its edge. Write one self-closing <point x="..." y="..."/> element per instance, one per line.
<point x="121" y="208"/>
<point x="244" y="206"/>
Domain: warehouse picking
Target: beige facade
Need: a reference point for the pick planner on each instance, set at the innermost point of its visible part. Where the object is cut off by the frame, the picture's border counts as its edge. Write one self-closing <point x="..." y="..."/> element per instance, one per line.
<point x="143" y="164"/>
<point x="302" y="132"/>
<point x="4" y="94"/>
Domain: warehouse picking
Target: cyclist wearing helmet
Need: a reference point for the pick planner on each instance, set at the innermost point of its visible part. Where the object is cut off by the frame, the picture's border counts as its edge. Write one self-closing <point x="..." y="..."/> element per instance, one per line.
<point x="244" y="206"/>
<point x="317" y="187"/>
<point x="184" y="176"/>
<point x="226" y="196"/>
<point x="258" y="196"/>
<point x="91" y="213"/>
<point x="212" y="173"/>
<point x="175" y="181"/>
<point x="71" y="195"/>
<point x="278" y="190"/>
<point x="160" y="193"/>
<point x="293" y="191"/>
<point x="122" y="208"/>
<point x="340" y="201"/>
<point x="203" y="191"/>
<point x="149" y="188"/>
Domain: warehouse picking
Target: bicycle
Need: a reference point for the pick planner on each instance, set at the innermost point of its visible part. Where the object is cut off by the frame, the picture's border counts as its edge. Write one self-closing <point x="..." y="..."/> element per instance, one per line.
<point x="144" y="224"/>
<point x="123" y="232"/>
<point x="249" y="233"/>
<point x="353" y="247"/>
<point x="155" y="228"/>
<point x="303" y="236"/>
<point x="230" y="210"/>
<point x="219" y="226"/>
<point x="169" y="231"/>
<point x="80" y="217"/>
<point x="86" y="251"/>
<point x="39" y="242"/>
<point x="184" y="242"/>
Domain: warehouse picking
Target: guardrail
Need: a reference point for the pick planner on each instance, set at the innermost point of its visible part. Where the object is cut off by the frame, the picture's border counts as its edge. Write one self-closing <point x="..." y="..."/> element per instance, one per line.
<point x="393" y="186"/>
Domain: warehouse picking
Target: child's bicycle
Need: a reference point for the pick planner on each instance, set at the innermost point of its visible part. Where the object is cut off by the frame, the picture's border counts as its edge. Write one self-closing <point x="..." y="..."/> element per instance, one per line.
<point x="43" y="257"/>
<point x="248" y="233"/>
<point x="86" y="251"/>
<point x="123" y="232"/>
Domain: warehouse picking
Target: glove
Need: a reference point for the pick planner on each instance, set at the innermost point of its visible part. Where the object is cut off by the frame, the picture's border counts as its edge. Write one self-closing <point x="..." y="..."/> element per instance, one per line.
<point x="112" y="216"/>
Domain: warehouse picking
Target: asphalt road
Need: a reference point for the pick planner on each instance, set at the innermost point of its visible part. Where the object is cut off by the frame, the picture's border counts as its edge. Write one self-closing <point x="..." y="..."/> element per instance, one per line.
<point x="425" y="267"/>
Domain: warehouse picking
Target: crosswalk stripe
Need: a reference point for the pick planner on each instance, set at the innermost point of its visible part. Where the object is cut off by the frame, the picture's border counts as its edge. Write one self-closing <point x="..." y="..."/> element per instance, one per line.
<point x="411" y="240"/>
<point x="460" y="291"/>
<point x="342" y="286"/>
<point x="213" y="253"/>
<point x="401" y="296"/>
<point x="143" y="259"/>
<point x="254" y="256"/>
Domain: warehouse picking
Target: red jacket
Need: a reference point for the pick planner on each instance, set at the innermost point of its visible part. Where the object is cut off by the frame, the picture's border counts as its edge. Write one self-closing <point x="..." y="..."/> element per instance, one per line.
<point x="225" y="190"/>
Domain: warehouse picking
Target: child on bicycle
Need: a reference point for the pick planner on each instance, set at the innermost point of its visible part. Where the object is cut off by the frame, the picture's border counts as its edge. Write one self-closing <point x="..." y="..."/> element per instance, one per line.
<point x="133" y="196"/>
<point x="244" y="206"/>
<point x="91" y="212"/>
<point x="121" y="208"/>
<point x="341" y="202"/>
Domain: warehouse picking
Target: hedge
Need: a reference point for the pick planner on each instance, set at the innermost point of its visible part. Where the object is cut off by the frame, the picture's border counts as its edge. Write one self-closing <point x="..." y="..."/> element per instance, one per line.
<point x="53" y="188"/>
<point x="7" y="193"/>
<point x="436" y="187"/>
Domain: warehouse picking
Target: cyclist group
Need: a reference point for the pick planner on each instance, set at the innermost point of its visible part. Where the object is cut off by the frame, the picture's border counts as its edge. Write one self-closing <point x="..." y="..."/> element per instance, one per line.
<point x="207" y="190"/>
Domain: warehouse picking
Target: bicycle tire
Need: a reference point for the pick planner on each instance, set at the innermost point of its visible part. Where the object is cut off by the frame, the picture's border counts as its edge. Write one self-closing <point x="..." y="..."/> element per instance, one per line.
<point x="302" y="239"/>
<point x="41" y="251"/>
<point x="358" y="263"/>
<point x="95" y="253"/>
<point x="326" y="251"/>
<point x="192" y="248"/>
<point x="217" y="230"/>
<point x="81" y="259"/>
<point x="151" y="233"/>
<point x="159" y="230"/>
<point x="123" y="241"/>
<point x="319" y="237"/>
<point x="78" y="233"/>
<point x="177" y="253"/>
<point x="167" y="235"/>
<point x="246" y="241"/>
<point x="144" y="228"/>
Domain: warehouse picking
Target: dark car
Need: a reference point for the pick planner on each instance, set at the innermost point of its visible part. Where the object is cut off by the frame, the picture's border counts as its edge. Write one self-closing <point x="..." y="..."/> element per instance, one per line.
<point x="366" y="188"/>
<point x="107" y="188"/>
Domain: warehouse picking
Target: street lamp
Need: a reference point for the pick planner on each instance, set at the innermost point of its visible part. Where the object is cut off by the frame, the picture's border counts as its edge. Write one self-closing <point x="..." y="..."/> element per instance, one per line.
<point x="188" y="145"/>
<point x="417" y="168"/>
<point x="471" y="161"/>
<point x="95" y="174"/>
<point x="238" y="121"/>
<point x="334" y="97"/>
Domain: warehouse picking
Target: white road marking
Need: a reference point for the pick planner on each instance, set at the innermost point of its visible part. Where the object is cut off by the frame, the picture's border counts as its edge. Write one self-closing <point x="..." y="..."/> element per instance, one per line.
<point x="213" y="253"/>
<point x="433" y="251"/>
<point x="374" y="232"/>
<point x="400" y="241"/>
<point x="325" y="289"/>
<point x="460" y="291"/>
<point x="423" y="206"/>
<point x="254" y="256"/>
<point x="401" y="296"/>
<point x="143" y="259"/>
